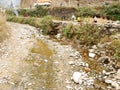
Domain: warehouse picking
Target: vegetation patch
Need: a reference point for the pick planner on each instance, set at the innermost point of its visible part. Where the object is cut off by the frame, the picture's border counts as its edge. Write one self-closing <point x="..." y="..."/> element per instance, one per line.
<point x="87" y="34"/>
<point x="44" y="23"/>
<point x="112" y="11"/>
<point x="114" y="50"/>
<point x="86" y="12"/>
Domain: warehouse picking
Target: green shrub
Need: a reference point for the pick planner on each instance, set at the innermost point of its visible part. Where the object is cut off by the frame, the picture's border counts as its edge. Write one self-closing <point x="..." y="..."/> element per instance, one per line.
<point x="46" y="24"/>
<point x="112" y="11"/>
<point x="10" y="12"/>
<point x="69" y="31"/>
<point x="114" y="49"/>
<point x="86" y="12"/>
<point x="87" y="34"/>
<point x="22" y="11"/>
<point x="39" y="11"/>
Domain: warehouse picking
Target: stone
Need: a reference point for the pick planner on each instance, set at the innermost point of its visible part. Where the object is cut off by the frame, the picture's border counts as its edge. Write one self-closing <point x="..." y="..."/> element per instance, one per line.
<point x="92" y="55"/>
<point x="104" y="59"/>
<point x="76" y="77"/>
<point x="87" y="70"/>
<point x="108" y="81"/>
<point x="103" y="71"/>
<point x="87" y="65"/>
<point x="29" y="84"/>
<point x="58" y="36"/>
<point x="116" y="85"/>
<point x="94" y="47"/>
<point x="81" y="63"/>
<point x="69" y="87"/>
<point x="76" y="57"/>
<point x="118" y="74"/>
<point x="12" y="83"/>
<point x="45" y="60"/>
<point x="82" y="79"/>
<point x="71" y="62"/>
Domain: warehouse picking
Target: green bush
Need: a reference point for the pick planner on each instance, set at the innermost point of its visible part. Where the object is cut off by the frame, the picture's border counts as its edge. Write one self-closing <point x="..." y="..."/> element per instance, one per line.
<point x="114" y="49"/>
<point x="69" y="31"/>
<point x="87" y="34"/>
<point x="39" y="11"/>
<point x="86" y="12"/>
<point x="22" y="11"/>
<point x="112" y="11"/>
<point x="46" y="24"/>
<point x="10" y="12"/>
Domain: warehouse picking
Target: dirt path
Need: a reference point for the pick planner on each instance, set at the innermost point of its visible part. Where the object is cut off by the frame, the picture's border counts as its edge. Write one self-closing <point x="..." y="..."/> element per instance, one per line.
<point x="13" y="51"/>
<point x="26" y="62"/>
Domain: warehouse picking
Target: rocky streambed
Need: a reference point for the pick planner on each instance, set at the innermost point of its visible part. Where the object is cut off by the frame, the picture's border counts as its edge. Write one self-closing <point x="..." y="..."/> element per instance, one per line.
<point x="32" y="61"/>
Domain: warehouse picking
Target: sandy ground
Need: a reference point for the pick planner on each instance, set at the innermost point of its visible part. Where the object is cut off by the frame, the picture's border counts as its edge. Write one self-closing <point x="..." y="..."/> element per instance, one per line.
<point x="17" y="48"/>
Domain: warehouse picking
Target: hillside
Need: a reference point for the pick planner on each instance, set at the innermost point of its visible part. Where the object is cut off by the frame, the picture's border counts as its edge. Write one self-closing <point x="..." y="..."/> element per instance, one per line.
<point x="72" y="3"/>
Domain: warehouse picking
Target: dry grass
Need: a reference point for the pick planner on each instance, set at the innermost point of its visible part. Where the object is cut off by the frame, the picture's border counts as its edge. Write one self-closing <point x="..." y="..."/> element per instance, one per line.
<point x="4" y="32"/>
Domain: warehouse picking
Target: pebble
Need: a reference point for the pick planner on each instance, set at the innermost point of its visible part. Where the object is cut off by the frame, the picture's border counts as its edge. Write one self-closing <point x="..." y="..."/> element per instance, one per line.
<point x="87" y="70"/>
<point x="92" y="55"/>
<point x="82" y="78"/>
<point x="46" y="60"/>
<point x="108" y="81"/>
<point x="12" y="83"/>
<point x="71" y="62"/>
<point x="76" y="77"/>
<point x="29" y="84"/>
<point x="69" y="87"/>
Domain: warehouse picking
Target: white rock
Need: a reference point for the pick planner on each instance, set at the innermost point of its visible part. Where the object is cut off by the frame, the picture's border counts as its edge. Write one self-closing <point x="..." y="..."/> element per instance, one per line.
<point x="58" y="36"/>
<point x="108" y="81"/>
<point x="92" y="55"/>
<point x="76" y="77"/>
<point x="29" y="84"/>
<point x="69" y="87"/>
<point x="12" y="83"/>
<point x="71" y="62"/>
<point x="116" y="85"/>
<point x="87" y="65"/>
<point x="45" y="60"/>
<point x="103" y="71"/>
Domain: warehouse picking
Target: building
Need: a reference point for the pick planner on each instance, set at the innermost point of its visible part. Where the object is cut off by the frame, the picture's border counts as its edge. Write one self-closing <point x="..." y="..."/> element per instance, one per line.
<point x="30" y="3"/>
<point x="43" y="2"/>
